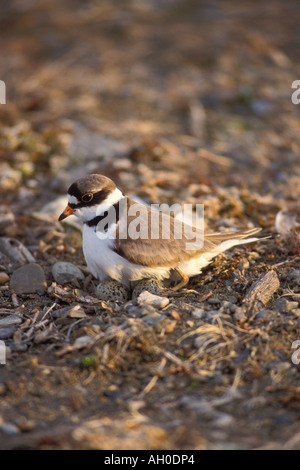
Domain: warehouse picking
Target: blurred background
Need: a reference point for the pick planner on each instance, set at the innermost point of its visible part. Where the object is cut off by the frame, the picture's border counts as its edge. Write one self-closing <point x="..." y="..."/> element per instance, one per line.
<point x="177" y="101"/>
<point x="158" y="94"/>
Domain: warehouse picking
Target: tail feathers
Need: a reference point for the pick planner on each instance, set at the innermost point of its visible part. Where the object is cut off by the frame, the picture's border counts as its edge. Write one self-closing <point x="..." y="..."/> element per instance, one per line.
<point x="226" y="245"/>
<point x="240" y="235"/>
<point x="218" y="243"/>
<point x="230" y="241"/>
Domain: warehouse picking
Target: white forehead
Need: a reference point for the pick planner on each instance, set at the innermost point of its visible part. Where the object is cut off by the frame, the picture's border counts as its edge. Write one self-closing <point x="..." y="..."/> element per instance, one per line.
<point x="72" y="199"/>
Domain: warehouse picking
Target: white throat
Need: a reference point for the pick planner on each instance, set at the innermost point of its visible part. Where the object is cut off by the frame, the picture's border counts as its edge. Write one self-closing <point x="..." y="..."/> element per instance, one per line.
<point x="90" y="212"/>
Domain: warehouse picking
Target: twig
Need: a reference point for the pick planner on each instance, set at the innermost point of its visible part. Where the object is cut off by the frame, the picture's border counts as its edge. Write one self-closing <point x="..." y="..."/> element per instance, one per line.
<point x="49" y="310"/>
<point x="155" y="378"/>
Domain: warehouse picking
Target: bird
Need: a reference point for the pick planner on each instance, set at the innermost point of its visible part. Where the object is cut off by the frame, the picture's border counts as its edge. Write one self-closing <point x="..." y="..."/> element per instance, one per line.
<point x="121" y="245"/>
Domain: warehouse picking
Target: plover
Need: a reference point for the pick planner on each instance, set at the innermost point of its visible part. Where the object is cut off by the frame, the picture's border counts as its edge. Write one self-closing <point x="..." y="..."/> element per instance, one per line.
<point x="114" y="248"/>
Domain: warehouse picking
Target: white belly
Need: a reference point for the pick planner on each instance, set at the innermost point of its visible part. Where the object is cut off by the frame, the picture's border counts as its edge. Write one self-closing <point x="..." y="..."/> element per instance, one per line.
<point x="105" y="263"/>
<point x="195" y="265"/>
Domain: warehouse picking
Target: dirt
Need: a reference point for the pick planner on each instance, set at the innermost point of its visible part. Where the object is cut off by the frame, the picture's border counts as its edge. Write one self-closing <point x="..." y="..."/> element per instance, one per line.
<point x="177" y="101"/>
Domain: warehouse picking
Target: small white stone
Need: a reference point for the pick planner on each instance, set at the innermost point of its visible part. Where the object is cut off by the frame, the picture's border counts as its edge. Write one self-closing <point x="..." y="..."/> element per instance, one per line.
<point x="198" y="313"/>
<point x="82" y="340"/>
<point x="151" y="285"/>
<point x="146" y="298"/>
<point x="9" y="428"/>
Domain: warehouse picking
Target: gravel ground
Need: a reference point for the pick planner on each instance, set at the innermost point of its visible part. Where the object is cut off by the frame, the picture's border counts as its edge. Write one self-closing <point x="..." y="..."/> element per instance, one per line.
<point x="177" y="101"/>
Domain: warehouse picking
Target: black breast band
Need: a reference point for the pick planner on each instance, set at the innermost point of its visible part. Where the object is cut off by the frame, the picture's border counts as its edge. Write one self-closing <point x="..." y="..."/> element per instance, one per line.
<point x="111" y="217"/>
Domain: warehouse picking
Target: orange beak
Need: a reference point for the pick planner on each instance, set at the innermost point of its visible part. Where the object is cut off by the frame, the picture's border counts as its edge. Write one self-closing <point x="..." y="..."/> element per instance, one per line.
<point x="68" y="211"/>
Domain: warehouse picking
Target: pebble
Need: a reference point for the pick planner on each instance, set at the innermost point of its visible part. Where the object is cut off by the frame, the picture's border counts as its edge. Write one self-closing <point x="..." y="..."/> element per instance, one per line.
<point x="160" y="322"/>
<point x="223" y="420"/>
<point x="151" y="285"/>
<point x="285" y="306"/>
<point x="282" y="420"/>
<point x="153" y="318"/>
<point x="3" y="278"/>
<point x="146" y="310"/>
<point x="174" y="314"/>
<point x="18" y="347"/>
<point x="7" y="332"/>
<point x="213" y="301"/>
<point x="28" y="279"/>
<point x="228" y="307"/>
<point x="9" y="428"/>
<point x="110" y="290"/>
<point x="146" y="298"/>
<point x="239" y="314"/>
<point x="64" y="272"/>
<point x="8" y="226"/>
<point x="83" y="340"/>
<point x="10" y="320"/>
<point x="132" y="309"/>
<point x="243" y="264"/>
<point x="265" y="314"/>
<point x="278" y="367"/>
<point x="294" y="276"/>
<point x="10" y="179"/>
<point x="262" y="107"/>
<point x="170" y="326"/>
<point x="198" y="312"/>
<point x="140" y="311"/>
<point x="212" y="316"/>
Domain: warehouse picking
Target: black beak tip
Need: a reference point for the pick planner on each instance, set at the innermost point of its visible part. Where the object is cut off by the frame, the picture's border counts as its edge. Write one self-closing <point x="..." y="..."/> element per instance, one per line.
<point x="61" y="217"/>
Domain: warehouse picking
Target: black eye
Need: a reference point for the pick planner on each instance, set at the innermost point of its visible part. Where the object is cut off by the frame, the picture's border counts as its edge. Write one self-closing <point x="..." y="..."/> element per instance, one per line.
<point x="87" y="197"/>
